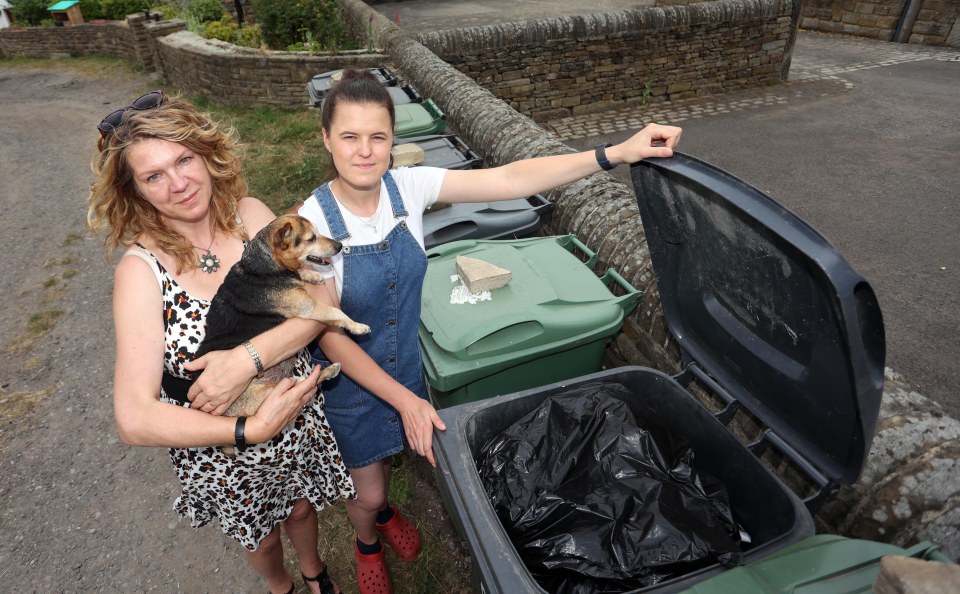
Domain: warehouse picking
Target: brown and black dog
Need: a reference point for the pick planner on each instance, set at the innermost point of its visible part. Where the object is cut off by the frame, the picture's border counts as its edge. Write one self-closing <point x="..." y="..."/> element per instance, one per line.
<point x="265" y="288"/>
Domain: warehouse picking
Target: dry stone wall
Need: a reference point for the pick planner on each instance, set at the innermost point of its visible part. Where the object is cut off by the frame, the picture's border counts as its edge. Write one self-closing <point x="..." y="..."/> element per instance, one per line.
<point x="131" y="39"/>
<point x="570" y="65"/>
<point x="244" y="76"/>
<point x="106" y="39"/>
<point x="544" y="69"/>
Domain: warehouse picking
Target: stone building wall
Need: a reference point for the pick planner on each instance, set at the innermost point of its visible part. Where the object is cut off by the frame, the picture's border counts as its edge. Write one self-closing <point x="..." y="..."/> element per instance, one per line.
<point x="879" y="19"/>
<point x="937" y="22"/>
<point x="876" y="19"/>
<point x="570" y="65"/>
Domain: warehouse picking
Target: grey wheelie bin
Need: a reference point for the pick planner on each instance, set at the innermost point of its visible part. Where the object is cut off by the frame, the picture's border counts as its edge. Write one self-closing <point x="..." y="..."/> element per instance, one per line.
<point x="447" y="151"/>
<point x="403" y="94"/>
<point x="509" y="219"/>
<point x="782" y="345"/>
<point x="321" y="83"/>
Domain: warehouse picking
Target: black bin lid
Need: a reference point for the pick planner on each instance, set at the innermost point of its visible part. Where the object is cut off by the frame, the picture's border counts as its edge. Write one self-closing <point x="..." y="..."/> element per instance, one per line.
<point x="767" y="307"/>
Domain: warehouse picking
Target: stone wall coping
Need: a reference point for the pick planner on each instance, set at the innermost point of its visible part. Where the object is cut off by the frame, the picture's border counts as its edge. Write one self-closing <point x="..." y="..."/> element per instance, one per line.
<point x="190" y="42"/>
<point x="602" y="24"/>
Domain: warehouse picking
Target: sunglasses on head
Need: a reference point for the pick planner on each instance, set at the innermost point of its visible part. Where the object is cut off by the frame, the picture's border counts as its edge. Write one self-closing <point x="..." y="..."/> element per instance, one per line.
<point x="113" y="120"/>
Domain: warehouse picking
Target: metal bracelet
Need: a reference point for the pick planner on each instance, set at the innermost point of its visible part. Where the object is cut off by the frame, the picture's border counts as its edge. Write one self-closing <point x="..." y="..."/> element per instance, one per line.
<point x="255" y="356"/>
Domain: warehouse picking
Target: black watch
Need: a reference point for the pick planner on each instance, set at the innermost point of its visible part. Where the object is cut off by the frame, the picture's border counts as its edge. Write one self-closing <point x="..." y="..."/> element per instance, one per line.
<point x="238" y="434"/>
<point x="601" y="152"/>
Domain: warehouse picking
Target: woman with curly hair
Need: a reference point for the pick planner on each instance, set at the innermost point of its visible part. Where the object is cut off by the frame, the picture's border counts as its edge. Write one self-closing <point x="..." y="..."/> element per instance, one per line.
<point x="169" y="189"/>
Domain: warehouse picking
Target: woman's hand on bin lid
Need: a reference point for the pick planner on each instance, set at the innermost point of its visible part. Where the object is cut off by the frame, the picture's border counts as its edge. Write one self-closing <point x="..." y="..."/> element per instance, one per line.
<point x="654" y="140"/>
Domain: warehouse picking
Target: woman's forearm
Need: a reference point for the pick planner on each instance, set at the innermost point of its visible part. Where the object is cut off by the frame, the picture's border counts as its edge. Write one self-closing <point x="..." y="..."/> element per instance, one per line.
<point x="284" y="341"/>
<point x="358" y="366"/>
<point x="162" y="424"/>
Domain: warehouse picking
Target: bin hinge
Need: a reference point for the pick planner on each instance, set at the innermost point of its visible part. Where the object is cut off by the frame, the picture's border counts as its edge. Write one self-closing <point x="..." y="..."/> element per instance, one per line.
<point x="823" y="488"/>
<point x="730" y="404"/>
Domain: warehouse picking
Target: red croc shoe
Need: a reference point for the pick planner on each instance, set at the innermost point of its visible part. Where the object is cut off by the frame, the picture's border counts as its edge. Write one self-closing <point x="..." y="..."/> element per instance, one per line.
<point x="372" y="574"/>
<point x="401" y="535"/>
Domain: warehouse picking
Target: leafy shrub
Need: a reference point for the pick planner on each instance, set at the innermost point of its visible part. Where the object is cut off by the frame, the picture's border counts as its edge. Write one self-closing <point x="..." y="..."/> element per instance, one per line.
<point x="227" y="30"/>
<point x="205" y="11"/>
<point x="30" y="12"/>
<point x="249" y="36"/>
<point x="117" y="10"/>
<point x="224" y="29"/>
<point x="91" y="9"/>
<point x="290" y="24"/>
<point x="169" y="10"/>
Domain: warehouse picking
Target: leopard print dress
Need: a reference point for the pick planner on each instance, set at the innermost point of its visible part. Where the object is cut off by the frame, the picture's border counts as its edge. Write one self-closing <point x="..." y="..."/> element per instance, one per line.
<point x="254" y="490"/>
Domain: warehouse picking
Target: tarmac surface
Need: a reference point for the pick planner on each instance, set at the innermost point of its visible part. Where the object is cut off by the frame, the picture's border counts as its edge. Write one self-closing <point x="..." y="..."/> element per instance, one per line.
<point x="863" y="142"/>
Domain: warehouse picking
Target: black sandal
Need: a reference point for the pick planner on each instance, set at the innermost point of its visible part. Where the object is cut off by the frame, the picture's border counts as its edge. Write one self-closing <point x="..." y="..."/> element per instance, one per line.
<point x="323" y="579"/>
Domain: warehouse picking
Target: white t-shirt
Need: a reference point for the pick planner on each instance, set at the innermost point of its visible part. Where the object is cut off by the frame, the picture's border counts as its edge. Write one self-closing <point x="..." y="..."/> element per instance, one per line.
<point x="419" y="188"/>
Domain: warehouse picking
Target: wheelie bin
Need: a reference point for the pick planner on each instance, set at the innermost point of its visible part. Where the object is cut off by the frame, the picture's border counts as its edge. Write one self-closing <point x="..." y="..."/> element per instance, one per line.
<point x="783" y="349"/>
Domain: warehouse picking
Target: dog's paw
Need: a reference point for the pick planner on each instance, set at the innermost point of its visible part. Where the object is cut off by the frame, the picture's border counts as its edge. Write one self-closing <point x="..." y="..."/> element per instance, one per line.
<point x="356" y="328"/>
<point x="329" y="372"/>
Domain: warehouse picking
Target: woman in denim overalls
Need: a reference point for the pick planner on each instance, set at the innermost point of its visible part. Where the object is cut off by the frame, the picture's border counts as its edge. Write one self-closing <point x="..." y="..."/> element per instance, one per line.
<point x="379" y="401"/>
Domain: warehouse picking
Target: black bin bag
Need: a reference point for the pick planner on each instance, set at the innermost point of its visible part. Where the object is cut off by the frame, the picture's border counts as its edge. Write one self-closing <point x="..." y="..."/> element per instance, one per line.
<point x="594" y="500"/>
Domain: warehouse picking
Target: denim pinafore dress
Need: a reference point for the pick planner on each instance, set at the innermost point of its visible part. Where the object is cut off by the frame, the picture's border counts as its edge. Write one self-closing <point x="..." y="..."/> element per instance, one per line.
<point x="382" y="284"/>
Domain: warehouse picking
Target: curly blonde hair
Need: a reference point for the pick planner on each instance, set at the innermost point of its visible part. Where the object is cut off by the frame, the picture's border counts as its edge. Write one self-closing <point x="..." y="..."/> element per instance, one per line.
<point x="115" y="203"/>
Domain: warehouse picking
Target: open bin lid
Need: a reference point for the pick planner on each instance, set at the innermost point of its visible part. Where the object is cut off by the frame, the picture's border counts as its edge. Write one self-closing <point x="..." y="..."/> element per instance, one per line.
<point x="767" y="307"/>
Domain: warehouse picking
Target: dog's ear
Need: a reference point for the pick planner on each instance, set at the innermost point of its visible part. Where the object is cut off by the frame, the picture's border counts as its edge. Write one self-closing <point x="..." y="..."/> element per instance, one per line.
<point x="282" y="236"/>
<point x="282" y="241"/>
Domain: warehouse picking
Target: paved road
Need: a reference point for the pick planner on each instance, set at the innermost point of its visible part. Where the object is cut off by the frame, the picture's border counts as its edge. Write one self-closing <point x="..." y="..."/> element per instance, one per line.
<point x="863" y="142"/>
